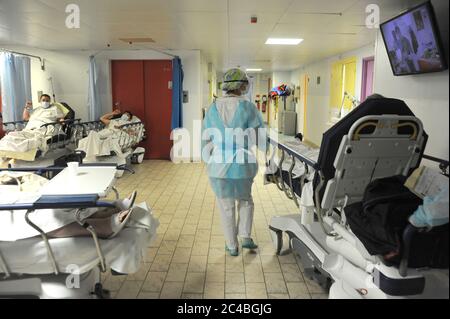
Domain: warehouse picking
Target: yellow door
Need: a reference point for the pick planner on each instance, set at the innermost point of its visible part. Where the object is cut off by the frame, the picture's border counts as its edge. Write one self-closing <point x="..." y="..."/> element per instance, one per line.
<point x="343" y="79"/>
<point x="336" y="85"/>
<point x="350" y="82"/>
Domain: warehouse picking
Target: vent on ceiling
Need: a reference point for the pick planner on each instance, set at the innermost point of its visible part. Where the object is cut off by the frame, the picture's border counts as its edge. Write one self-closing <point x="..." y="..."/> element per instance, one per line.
<point x="137" y="40"/>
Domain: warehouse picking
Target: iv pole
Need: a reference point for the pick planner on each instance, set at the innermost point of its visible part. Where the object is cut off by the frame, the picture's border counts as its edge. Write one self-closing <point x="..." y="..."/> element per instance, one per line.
<point x="53" y="89"/>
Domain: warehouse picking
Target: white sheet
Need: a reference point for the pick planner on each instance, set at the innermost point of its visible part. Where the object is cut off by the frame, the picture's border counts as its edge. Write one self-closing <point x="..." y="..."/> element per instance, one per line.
<point x="23" y="141"/>
<point x="41" y="116"/>
<point x="123" y="253"/>
<point x="13" y="226"/>
<point x="106" y="141"/>
<point x="33" y="136"/>
<point x="100" y="144"/>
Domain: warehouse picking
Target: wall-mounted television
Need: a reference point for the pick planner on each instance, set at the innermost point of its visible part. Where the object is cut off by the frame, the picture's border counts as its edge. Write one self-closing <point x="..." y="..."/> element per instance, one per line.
<point x="413" y="42"/>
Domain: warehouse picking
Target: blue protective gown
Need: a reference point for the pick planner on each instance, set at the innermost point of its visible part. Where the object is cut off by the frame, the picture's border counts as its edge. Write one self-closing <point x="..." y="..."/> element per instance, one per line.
<point x="231" y="177"/>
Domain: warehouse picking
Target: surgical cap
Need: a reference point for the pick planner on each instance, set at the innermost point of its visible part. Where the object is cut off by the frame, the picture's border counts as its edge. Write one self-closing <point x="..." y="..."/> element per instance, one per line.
<point x="234" y="79"/>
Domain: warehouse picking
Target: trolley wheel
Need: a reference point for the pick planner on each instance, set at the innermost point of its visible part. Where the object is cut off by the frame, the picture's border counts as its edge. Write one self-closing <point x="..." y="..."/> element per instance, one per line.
<point x="277" y="239"/>
<point x="101" y="293"/>
<point x="140" y="159"/>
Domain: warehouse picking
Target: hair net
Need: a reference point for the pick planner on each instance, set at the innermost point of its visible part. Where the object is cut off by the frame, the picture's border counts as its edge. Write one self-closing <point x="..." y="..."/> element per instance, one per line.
<point x="234" y="79"/>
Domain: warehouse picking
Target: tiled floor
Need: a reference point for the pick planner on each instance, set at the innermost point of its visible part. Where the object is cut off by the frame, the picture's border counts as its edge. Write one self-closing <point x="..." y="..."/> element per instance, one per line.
<point x="187" y="260"/>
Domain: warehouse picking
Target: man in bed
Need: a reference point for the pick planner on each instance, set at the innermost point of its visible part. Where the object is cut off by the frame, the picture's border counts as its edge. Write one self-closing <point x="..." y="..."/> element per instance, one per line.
<point x="57" y="223"/>
<point x="33" y="136"/>
<point x="43" y="114"/>
<point x="107" y="140"/>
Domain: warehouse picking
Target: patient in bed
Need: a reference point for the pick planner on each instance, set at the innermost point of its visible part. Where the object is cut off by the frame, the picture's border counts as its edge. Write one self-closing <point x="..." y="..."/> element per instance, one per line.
<point x="106" y="222"/>
<point x="43" y="114"/>
<point x="33" y="136"/>
<point x="58" y="223"/>
<point x="106" y="141"/>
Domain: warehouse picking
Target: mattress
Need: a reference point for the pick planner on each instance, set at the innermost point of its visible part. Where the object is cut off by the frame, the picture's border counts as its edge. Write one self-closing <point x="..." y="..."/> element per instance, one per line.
<point x="123" y="254"/>
<point x="24" y="156"/>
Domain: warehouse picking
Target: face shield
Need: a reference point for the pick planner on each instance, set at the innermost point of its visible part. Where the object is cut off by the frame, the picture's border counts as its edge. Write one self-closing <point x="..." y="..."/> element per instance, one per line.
<point x="245" y="88"/>
<point x="235" y="79"/>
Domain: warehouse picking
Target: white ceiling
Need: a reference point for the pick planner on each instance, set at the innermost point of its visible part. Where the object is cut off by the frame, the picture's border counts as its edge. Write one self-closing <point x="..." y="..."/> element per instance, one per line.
<point x="221" y="29"/>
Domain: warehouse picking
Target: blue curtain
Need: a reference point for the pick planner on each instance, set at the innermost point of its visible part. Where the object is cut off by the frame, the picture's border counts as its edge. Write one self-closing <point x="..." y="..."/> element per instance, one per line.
<point x="177" y="94"/>
<point x="95" y="107"/>
<point x="15" y="75"/>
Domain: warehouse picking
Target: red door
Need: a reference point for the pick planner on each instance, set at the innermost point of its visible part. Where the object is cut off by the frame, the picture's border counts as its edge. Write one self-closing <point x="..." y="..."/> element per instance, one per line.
<point x="158" y="107"/>
<point x="128" y="86"/>
<point x="142" y="87"/>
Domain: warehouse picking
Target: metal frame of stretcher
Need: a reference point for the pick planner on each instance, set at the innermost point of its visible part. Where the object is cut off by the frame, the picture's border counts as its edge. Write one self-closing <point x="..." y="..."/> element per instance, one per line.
<point x="294" y="156"/>
<point x="78" y="202"/>
<point x="312" y="242"/>
<point x="65" y="133"/>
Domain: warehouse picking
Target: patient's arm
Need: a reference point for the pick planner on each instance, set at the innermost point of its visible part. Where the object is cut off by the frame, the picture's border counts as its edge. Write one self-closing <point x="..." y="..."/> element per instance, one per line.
<point x="106" y="119"/>
<point x="26" y="112"/>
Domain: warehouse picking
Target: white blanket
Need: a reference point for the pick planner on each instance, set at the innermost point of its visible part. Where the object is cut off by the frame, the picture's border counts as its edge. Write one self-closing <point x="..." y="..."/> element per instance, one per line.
<point x="108" y="140"/>
<point x="24" y="250"/>
<point x="34" y="136"/>
<point x="101" y="144"/>
<point x="23" y="141"/>
<point x="13" y="226"/>
<point x="41" y="116"/>
<point x="123" y="254"/>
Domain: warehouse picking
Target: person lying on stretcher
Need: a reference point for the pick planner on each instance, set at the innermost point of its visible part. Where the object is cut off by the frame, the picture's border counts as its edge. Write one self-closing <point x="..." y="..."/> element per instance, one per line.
<point x="60" y="223"/>
<point x="106" y="141"/>
<point x="33" y="136"/>
<point x="43" y="114"/>
<point x="117" y="119"/>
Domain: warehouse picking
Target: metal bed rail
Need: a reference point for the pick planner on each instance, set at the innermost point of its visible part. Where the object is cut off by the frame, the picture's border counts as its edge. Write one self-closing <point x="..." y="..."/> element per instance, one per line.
<point x="82" y="129"/>
<point x="78" y="202"/>
<point x="59" y="134"/>
<point x="62" y="133"/>
<point x="294" y="156"/>
<point x="14" y="126"/>
<point x="131" y="135"/>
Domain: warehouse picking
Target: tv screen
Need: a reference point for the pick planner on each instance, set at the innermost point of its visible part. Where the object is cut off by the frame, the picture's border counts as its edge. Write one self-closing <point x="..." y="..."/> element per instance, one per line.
<point x="413" y="42"/>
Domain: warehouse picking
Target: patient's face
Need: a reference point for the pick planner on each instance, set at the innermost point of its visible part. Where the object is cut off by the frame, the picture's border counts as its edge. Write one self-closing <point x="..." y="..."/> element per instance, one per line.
<point x="45" y="99"/>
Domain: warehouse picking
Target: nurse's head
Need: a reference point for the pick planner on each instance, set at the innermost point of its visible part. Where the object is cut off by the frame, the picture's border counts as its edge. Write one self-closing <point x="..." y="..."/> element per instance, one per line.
<point x="235" y="81"/>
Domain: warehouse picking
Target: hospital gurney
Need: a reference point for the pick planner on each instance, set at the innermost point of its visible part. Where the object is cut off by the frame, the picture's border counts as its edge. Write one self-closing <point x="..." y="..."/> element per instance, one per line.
<point x="58" y="139"/>
<point x="295" y="166"/>
<point x="367" y="148"/>
<point x="119" y="145"/>
<point x="70" y="267"/>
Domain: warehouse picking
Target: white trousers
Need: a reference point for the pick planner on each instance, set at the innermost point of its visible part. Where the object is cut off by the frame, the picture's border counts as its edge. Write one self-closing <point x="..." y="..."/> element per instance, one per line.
<point x="241" y="227"/>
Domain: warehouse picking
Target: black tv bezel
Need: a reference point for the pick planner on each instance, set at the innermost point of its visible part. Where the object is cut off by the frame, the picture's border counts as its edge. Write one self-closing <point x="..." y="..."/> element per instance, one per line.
<point x="436" y="32"/>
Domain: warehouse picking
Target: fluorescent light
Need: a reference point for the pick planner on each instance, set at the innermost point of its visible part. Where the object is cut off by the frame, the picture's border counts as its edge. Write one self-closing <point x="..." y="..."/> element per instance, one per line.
<point x="253" y="70"/>
<point x="284" y="41"/>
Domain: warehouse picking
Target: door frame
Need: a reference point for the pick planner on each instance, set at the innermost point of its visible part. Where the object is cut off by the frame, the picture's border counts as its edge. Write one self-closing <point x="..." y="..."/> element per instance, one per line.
<point x="146" y="97"/>
<point x="365" y="64"/>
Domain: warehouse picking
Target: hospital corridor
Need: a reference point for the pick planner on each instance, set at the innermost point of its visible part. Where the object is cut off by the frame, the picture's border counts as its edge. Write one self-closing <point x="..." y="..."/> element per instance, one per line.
<point x="188" y="261"/>
<point x="224" y="157"/>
